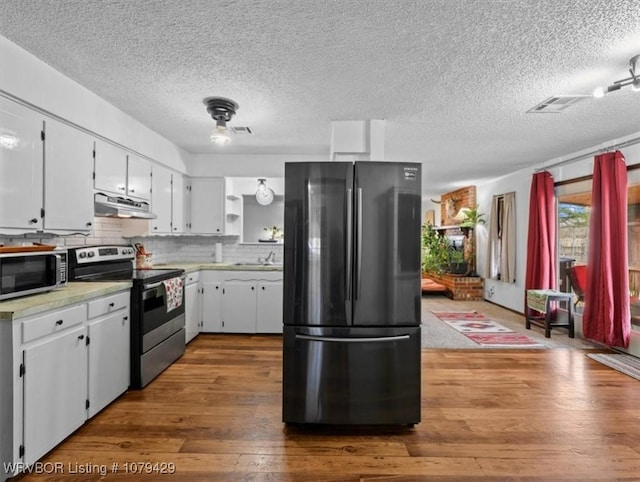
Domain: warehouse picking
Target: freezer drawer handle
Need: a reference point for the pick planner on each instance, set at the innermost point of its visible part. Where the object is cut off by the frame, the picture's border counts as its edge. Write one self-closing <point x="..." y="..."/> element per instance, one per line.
<point x="353" y="340"/>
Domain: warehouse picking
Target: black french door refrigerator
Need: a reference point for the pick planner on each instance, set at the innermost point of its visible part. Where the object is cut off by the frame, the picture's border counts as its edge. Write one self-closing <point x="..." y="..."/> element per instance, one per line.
<point x="351" y="351"/>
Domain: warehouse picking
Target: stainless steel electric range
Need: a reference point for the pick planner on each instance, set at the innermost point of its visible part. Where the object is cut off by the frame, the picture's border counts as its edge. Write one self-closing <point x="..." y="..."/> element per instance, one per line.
<point x="157" y="305"/>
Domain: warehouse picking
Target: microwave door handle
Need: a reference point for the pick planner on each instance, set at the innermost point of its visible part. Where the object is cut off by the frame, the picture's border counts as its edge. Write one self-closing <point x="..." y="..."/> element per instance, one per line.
<point x="58" y="270"/>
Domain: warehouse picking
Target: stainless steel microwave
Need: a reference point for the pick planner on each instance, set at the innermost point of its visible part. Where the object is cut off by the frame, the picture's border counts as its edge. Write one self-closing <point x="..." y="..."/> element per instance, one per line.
<point x="27" y="273"/>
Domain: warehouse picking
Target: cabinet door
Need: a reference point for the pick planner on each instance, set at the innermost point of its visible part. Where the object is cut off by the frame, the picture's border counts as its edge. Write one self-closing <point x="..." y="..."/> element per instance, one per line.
<point x="212" y="307"/>
<point x="108" y="359"/>
<point x="110" y="168"/>
<point x="239" y="307"/>
<point x="161" y="200"/>
<point x="68" y="162"/>
<point x="55" y="392"/>
<point x="138" y="178"/>
<point x="21" y="167"/>
<point x="269" y="308"/>
<point x="192" y="311"/>
<point x="207" y="206"/>
<point x="177" y="203"/>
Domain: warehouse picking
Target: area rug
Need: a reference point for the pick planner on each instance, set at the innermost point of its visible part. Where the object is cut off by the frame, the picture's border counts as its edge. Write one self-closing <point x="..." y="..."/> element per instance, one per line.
<point x="627" y="364"/>
<point x="486" y="332"/>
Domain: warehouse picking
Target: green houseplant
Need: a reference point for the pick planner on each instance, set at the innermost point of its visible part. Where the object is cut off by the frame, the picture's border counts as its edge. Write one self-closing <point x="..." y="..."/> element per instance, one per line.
<point x="472" y="217"/>
<point x="435" y="250"/>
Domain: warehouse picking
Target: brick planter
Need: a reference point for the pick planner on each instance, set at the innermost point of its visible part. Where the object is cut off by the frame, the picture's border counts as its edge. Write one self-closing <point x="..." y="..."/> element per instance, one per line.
<point x="460" y="288"/>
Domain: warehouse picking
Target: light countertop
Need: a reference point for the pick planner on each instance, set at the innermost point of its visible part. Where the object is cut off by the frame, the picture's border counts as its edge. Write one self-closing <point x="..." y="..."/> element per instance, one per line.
<point x="190" y="267"/>
<point x="75" y="292"/>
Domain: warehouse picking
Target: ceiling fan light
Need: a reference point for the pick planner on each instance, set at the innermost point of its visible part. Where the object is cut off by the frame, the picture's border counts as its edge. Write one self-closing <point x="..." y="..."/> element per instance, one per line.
<point x="635" y="86"/>
<point x="598" y="92"/>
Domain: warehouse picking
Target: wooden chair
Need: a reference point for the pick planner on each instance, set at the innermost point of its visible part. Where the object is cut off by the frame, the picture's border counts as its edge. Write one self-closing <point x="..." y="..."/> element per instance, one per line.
<point x="578" y="280"/>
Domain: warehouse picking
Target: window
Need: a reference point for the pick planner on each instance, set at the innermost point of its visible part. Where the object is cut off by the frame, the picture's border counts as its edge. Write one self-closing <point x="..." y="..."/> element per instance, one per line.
<point x="574" y="210"/>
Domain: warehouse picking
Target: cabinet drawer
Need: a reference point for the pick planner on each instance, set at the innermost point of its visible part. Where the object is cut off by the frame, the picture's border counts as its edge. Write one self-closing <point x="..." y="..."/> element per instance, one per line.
<point x="108" y="304"/>
<point x="192" y="277"/>
<point x="52" y="322"/>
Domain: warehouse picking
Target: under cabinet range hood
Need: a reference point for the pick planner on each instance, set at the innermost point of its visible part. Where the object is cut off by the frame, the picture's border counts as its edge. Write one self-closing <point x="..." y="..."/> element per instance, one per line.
<point x="120" y="207"/>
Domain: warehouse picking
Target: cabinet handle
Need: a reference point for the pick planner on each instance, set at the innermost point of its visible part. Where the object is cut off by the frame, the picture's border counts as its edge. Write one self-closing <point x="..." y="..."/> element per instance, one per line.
<point x="125" y="318"/>
<point x="155" y="227"/>
<point x="121" y="189"/>
<point x="252" y="288"/>
<point x="81" y="337"/>
<point x="132" y="190"/>
<point x="112" y="304"/>
<point x="89" y="224"/>
<point x="263" y="288"/>
<point x="59" y="322"/>
<point x="33" y="220"/>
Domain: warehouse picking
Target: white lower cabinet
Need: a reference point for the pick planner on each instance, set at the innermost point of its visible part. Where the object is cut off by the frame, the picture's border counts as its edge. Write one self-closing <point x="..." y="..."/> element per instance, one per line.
<point x="192" y="306"/>
<point x="55" y="391"/>
<point x="58" y="369"/>
<point x="109" y="355"/>
<point x="211" y="305"/>
<point x="269" y="307"/>
<point x="239" y="307"/>
<point x="242" y="301"/>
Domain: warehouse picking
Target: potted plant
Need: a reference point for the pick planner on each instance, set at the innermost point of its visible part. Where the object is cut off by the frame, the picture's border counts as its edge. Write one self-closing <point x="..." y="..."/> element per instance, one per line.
<point x="435" y="250"/>
<point x="472" y="217"/>
<point x="457" y="262"/>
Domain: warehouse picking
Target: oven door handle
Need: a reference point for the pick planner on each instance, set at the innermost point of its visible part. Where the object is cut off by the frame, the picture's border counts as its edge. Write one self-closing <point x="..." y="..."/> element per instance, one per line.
<point x="155" y="285"/>
<point x="152" y="285"/>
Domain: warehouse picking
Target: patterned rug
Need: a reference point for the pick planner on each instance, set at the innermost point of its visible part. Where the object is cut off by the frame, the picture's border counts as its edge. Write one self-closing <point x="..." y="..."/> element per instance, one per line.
<point x="627" y="364"/>
<point x="486" y="332"/>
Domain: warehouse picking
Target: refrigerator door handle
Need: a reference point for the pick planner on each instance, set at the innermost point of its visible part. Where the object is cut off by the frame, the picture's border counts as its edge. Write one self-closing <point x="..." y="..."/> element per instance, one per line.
<point x="349" y="246"/>
<point x="359" y="246"/>
<point x="382" y="339"/>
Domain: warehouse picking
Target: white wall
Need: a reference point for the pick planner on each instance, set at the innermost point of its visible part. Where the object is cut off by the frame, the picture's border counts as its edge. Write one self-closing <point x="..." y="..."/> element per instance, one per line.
<point x="236" y="165"/>
<point x="27" y="78"/>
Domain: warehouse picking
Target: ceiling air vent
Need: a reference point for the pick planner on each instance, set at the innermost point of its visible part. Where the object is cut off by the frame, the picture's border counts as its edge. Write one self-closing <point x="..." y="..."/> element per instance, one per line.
<point x="556" y="104"/>
<point x="242" y="130"/>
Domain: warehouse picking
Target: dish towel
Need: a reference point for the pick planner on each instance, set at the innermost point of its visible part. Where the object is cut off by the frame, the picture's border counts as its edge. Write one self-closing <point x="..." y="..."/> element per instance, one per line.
<point x="173" y="287"/>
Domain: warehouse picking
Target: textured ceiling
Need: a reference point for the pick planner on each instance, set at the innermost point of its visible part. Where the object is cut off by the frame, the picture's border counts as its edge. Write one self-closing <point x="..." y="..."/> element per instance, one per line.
<point x="452" y="79"/>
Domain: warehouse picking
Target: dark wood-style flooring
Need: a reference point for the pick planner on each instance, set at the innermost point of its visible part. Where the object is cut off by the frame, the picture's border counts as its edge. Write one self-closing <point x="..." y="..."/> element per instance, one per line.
<point x="487" y="415"/>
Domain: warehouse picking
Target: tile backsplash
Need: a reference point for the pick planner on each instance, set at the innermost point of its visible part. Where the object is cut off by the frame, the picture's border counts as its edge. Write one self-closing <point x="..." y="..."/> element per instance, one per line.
<point x="163" y="248"/>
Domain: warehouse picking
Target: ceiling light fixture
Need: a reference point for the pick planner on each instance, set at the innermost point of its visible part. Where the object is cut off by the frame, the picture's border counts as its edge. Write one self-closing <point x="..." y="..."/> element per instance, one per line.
<point x="633" y="81"/>
<point x="221" y="110"/>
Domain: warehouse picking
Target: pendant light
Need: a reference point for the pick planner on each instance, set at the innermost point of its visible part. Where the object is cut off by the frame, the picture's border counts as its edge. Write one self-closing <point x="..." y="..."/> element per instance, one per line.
<point x="264" y="195"/>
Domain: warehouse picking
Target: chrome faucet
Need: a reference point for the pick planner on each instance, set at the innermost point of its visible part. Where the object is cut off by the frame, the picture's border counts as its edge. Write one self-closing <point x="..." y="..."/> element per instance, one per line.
<point x="271" y="258"/>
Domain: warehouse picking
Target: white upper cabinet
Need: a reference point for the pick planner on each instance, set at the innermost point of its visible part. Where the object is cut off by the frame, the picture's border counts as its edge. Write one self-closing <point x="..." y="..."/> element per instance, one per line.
<point x="110" y="168"/>
<point x="21" y="167"/>
<point x="45" y="173"/>
<point x="161" y="200"/>
<point x="177" y="203"/>
<point x="68" y="195"/>
<point x="207" y="206"/>
<point x="138" y="178"/>
<point x="121" y="173"/>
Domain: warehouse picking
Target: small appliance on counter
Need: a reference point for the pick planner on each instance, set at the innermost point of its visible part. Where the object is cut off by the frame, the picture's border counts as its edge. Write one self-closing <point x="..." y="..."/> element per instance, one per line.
<point x="157" y="305"/>
<point x="27" y="270"/>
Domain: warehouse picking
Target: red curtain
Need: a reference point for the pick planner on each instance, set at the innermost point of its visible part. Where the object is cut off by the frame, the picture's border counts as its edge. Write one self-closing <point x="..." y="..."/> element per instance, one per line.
<point x="541" y="242"/>
<point x="607" y="317"/>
